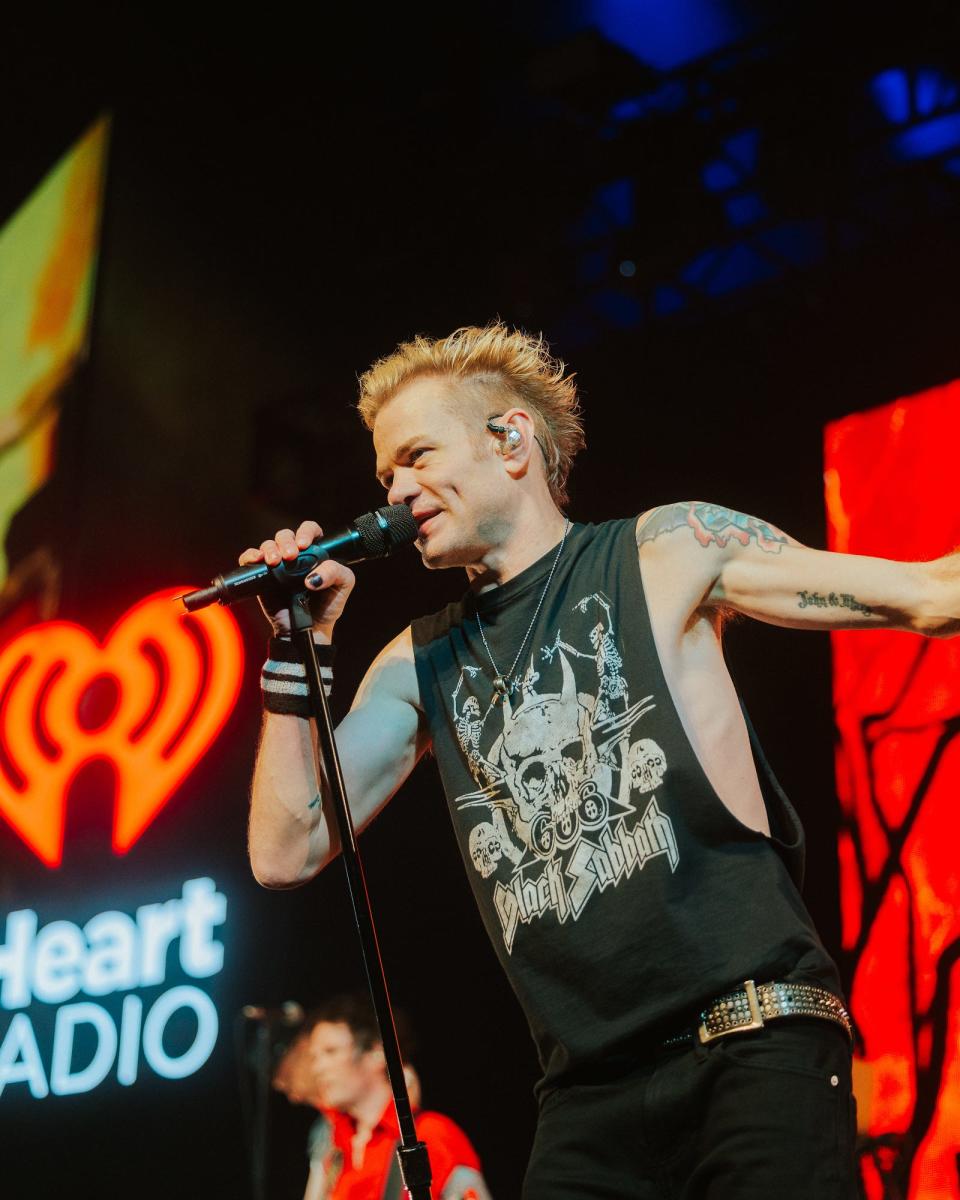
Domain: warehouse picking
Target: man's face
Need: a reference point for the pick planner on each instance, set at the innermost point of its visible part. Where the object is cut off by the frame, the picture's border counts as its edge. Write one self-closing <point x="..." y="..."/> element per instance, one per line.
<point x="345" y="1075"/>
<point x="442" y="462"/>
<point x="295" y="1076"/>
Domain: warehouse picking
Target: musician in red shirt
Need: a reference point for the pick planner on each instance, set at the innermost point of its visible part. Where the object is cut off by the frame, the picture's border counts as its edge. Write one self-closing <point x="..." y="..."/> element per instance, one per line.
<point x="353" y="1154"/>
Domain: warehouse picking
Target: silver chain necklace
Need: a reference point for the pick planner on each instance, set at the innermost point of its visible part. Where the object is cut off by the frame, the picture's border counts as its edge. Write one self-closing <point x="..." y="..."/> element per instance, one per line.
<point x="504" y="685"/>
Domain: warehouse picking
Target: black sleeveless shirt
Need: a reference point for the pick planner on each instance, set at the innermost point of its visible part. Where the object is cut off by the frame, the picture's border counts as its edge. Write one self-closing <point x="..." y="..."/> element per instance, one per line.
<point x="619" y="891"/>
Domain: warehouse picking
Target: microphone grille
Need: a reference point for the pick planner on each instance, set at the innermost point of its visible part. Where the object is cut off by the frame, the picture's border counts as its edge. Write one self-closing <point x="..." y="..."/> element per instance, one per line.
<point x="386" y="530"/>
<point x="401" y="526"/>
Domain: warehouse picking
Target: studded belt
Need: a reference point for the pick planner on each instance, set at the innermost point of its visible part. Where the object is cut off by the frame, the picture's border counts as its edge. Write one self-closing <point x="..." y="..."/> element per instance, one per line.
<point x="752" y="1006"/>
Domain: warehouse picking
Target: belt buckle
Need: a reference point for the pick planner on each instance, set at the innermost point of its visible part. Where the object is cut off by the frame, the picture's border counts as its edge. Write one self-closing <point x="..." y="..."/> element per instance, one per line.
<point x="706" y="1034"/>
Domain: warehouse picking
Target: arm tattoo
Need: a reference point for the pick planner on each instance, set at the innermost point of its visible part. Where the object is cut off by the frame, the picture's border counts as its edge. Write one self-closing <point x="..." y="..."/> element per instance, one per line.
<point x="832" y="600"/>
<point x="712" y="526"/>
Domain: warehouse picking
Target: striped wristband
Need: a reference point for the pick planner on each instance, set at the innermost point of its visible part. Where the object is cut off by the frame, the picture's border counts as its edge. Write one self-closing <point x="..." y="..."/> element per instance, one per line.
<point x="284" y="677"/>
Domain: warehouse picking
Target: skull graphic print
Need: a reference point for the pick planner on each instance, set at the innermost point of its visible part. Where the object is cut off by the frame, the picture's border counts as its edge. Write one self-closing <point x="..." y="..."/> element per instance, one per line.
<point x="566" y="800"/>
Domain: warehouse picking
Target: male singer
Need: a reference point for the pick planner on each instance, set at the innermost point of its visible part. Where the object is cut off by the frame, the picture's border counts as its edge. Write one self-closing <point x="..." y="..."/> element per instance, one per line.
<point x="635" y="863"/>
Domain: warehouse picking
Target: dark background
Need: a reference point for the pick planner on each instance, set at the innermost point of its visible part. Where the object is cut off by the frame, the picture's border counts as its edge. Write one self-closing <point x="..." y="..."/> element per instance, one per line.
<point x="290" y="194"/>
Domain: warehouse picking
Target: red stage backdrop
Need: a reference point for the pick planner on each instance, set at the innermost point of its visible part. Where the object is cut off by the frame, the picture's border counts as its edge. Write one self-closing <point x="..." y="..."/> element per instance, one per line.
<point x="892" y="490"/>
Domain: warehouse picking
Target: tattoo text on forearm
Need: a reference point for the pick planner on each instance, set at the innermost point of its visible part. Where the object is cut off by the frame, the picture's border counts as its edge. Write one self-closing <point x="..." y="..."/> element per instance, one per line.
<point x="832" y="600"/>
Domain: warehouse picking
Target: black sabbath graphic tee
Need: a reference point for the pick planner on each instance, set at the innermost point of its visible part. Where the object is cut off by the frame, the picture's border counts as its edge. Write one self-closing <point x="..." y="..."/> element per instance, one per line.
<point x="619" y="891"/>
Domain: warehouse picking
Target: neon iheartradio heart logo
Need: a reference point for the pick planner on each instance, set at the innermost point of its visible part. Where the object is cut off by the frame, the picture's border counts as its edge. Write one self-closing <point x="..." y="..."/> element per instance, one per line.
<point x="171" y="680"/>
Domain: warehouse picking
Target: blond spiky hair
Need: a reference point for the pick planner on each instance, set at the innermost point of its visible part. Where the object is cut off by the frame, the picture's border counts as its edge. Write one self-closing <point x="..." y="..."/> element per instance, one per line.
<point x="506" y="361"/>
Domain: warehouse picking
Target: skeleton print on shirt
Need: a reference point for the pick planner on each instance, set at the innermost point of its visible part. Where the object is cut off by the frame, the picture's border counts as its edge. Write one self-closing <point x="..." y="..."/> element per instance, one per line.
<point x="565" y="780"/>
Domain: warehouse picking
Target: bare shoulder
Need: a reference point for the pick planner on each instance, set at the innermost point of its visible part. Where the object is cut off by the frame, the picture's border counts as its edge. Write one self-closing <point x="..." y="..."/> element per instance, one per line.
<point x="392" y="674"/>
<point x="691" y="524"/>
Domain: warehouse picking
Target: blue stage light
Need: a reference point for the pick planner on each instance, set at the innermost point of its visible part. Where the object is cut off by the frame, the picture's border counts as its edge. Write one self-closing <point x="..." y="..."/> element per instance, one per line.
<point x="739" y="266"/>
<point x="903" y="95"/>
<point x="736" y="163"/>
<point x="670" y="97"/>
<point x="667" y="300"/>
<point x="697" y="272"/>
<point x="610" y="209"/>
<point x="938" y="136"/>
<point x="667" y="33"/>
<point x="720" y="176"/>
<point x="891" y="92"/>
<point x="932" y="90"/>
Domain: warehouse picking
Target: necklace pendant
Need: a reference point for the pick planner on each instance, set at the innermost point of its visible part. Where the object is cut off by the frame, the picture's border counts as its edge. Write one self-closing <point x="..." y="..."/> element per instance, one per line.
<point x="504" y="685"/>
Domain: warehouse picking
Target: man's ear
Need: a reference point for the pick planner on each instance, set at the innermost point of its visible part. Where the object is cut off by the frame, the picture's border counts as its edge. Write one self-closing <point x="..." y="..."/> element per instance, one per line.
<point x="518" y="440"/>
<point x="376" y="1056"/>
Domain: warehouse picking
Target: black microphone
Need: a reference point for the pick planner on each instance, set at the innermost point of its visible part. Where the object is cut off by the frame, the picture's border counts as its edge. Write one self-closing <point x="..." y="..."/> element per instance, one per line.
<point x="373" y="535"/>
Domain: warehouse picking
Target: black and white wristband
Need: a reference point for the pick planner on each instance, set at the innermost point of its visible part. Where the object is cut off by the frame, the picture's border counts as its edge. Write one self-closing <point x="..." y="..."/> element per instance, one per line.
<point x="284" y="677"/>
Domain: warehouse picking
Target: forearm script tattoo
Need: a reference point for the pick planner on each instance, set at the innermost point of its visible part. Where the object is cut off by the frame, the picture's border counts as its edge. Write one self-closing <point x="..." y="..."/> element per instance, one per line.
<point x="832" y="600"/>
<point x="712" y="526"/>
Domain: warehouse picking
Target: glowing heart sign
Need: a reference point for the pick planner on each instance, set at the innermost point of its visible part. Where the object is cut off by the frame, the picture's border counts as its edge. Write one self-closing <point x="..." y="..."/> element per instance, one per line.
<point x="170" y="681"/>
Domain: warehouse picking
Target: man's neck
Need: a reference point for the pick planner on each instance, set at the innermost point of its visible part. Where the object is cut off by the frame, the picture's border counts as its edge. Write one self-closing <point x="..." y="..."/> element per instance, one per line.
<point x="531" y="536"/>
<point x="368" y="1110"/>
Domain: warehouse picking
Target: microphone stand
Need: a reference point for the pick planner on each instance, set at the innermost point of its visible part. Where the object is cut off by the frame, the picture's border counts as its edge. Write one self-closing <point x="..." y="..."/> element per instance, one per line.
<point x="411" y="1153"/>
<point x="259" y="1155"/>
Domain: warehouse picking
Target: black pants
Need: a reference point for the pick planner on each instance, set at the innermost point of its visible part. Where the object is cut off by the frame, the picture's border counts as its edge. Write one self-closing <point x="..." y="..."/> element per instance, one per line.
<point x="763" y="1114"/>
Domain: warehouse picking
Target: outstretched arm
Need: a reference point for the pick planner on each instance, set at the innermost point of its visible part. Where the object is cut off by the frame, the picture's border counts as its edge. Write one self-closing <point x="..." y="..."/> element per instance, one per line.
<point x="740" y="563"/>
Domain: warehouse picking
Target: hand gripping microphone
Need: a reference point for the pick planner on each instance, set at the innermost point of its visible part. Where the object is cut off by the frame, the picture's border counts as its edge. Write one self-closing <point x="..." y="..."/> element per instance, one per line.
<point x="373" y="535"/>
